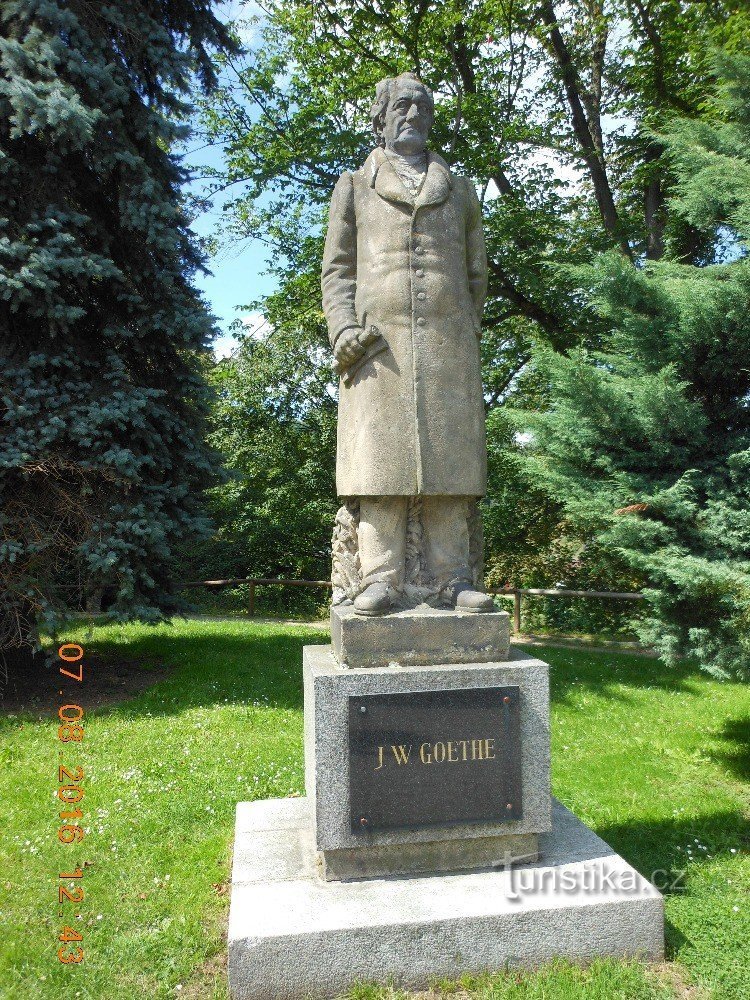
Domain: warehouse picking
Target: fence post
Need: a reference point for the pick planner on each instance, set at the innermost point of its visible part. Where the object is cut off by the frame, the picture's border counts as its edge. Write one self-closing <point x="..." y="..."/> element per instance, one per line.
<point x="251" y="600"/>
<point x="517" y="611"/>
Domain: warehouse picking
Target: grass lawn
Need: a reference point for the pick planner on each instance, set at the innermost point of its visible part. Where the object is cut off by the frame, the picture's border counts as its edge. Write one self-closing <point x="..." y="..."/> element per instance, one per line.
<point x="657" y="762"/>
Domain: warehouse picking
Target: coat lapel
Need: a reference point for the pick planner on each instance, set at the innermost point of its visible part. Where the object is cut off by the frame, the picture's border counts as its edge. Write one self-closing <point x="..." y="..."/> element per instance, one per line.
<point x="437" y="183"/>
<point x="383" y="178"/>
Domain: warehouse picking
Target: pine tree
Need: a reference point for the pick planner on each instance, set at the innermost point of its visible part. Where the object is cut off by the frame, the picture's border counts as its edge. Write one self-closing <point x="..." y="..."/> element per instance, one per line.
<point x="102" y="329"/>
<point x="647" y="440"/>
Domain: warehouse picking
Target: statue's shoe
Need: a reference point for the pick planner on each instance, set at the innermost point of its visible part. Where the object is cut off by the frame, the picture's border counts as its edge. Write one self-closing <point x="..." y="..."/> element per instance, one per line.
<point x="374" y="600"/>
<point x="463" y="597"/>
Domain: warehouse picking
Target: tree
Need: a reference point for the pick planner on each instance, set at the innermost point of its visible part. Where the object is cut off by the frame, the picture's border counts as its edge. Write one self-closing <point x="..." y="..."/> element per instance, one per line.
<point x="647" y="442"/>
<point x="521" y="90"/>
<point x="551" y="108"/>
<point x="274" y="513"/>
<point x="521" y="87"/>
<point x="103" y="400"/>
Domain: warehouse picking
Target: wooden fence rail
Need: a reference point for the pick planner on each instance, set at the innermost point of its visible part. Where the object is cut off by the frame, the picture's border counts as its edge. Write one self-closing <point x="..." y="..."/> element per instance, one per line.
<point x="517" y="594"/>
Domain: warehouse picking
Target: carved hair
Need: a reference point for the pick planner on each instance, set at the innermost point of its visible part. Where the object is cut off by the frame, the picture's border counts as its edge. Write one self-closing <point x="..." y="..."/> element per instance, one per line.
<point x="383" y="93"/>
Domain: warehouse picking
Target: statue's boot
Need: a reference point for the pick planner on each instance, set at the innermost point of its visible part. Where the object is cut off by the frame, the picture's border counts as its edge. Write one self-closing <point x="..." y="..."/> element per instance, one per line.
<point x="376" y="599"/>
<point x="463" y="597"/>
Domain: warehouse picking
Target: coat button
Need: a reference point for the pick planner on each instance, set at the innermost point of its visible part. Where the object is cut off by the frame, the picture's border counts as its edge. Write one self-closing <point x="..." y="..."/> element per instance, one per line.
<point x="421" y="295"/>
<point x="420" y="273"/>
<point x="421" y="321"/>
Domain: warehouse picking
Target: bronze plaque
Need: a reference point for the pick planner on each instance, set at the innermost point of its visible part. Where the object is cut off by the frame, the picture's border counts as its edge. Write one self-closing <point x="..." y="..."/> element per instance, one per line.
<point x="427" y="758"/>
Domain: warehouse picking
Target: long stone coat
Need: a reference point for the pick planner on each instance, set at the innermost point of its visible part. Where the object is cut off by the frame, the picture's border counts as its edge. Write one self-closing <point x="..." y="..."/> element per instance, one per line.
<point x="411" y="421"/>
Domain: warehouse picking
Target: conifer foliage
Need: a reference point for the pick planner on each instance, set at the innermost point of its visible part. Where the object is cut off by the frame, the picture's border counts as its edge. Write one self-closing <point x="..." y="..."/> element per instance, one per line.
<point x="647" y="440"/>
<point x="101" y="460"/>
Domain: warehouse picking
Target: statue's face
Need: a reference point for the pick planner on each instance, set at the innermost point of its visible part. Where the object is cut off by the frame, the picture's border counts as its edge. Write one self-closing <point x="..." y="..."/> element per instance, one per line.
<point x="408" y="119"/>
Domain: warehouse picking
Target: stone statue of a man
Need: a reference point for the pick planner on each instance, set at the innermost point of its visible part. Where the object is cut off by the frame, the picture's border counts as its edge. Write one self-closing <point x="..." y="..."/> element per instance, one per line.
<point x="404" y="281"/>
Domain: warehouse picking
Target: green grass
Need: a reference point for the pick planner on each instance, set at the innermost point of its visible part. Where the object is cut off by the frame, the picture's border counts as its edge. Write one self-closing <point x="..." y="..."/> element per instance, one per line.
<point x="602" y="980"/>
<point x="657" y="762"/>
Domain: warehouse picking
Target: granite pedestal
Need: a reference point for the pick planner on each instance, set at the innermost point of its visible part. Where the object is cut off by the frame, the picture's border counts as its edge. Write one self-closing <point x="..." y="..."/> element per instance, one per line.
<point x="460" y="862"/>
<point x="435" y="847"/>
<point x="293" y="934"/>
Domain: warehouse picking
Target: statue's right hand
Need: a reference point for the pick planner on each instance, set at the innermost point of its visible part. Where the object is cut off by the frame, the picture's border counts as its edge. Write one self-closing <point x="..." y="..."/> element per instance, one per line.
<point x="348" y="349"/>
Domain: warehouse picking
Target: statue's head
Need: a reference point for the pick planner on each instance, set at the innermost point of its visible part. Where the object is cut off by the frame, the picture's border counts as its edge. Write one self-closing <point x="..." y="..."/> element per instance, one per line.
<point x="402" y="114"/>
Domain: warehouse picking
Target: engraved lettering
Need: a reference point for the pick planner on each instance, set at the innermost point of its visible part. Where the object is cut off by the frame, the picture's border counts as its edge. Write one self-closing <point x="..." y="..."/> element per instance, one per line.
<point x="447" y="751"/>
<point x="380" y="759"/>
<point x="401" y="753"/>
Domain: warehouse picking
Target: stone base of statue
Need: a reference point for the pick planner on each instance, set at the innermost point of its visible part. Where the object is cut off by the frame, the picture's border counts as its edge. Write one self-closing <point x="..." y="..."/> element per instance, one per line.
<point x="428" y="844"/>
<point x="292" y="934"/>
<point x="418" y="636"/>
<point x="402" y="774"/>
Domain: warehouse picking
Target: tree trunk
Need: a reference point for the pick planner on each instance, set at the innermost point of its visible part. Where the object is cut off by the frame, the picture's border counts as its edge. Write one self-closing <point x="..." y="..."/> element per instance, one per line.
<point x="654" y="201"/>
<point x="584" y="130"/>
<point x="654" y="212"/>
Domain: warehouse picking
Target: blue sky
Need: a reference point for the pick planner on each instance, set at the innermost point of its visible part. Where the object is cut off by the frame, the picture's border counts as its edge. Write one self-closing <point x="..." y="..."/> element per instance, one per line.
<point x="237" y="276"/>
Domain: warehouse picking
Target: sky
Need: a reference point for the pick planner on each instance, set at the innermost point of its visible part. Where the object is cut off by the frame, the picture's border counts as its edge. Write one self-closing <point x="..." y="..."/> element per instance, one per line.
<point x="237" y="276"/>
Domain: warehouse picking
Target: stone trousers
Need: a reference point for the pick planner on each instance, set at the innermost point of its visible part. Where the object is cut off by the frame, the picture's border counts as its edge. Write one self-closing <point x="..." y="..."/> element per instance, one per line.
<point x="382" y="539"/>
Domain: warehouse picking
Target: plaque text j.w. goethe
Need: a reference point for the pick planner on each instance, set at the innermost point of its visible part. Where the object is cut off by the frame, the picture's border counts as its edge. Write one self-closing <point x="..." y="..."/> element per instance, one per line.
<point x="427" y="758"/>
<point x="441" y="752"/>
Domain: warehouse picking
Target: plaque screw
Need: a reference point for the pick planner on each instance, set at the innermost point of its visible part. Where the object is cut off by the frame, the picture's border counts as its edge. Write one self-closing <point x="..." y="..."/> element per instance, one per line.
<point x="509" y="806"/>
<point x="364" y="821"/>
<point x="506" y="700"/>
<point x="362" y="709"/>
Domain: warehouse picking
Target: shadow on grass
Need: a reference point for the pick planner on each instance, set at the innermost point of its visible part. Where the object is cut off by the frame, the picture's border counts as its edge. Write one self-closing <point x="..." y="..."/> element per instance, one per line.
<point x="208" y="669"/>
<point x="212" y="665"/>
<point x="674" y="940"/>
<point x="737" y="758"/>
<point x="659" y="848"/>
<point x="246" y="666"/>
<point x="241" y="669"/>
<point x="606" y="673"/>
